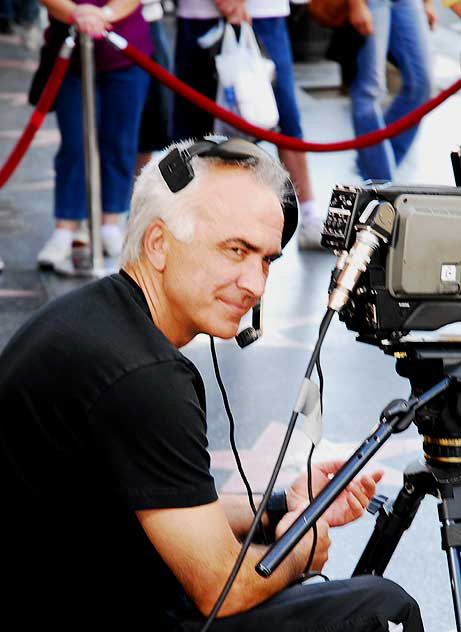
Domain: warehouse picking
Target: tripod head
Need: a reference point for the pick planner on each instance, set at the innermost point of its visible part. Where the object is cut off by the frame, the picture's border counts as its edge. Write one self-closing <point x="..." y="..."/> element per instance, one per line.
<point x="424" y="364"/>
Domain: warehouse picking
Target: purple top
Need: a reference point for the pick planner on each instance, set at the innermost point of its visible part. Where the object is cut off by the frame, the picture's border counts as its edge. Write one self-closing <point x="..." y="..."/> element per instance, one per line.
<point x="133" y="28"/>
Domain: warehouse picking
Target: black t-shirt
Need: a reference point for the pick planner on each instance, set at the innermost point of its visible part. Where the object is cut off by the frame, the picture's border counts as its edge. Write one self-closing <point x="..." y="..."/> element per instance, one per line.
<point x="100" y="415"/>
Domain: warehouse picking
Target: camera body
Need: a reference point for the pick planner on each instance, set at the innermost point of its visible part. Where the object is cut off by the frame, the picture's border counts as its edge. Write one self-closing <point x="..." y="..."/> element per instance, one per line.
<point x="414" y="281"/>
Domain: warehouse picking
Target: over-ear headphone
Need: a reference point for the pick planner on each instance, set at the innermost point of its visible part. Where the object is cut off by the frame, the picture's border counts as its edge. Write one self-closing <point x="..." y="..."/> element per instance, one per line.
<point x="177" y="171"/>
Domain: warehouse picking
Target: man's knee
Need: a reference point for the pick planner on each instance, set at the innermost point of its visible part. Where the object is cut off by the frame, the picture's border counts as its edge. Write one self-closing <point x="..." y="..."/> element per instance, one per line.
<point x="388" y="599"/>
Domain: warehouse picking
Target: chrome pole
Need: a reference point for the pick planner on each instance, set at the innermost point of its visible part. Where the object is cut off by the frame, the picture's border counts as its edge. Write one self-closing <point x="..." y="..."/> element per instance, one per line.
<point x="91" y="149"/>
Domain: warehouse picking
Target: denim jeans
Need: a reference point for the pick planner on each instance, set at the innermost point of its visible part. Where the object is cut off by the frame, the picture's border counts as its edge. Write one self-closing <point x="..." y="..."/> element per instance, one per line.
<point x="23" y="12"/>
<point x="401" y="30"/>
<point x="120" y="96"/>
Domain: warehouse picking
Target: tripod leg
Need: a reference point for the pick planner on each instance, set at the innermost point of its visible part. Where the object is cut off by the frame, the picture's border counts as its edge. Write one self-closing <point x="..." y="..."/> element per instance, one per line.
<point x="450" y="515"/>
<point x="389" y="528"/>
<point x="454" y="568"/>
<point x="393" y="521"/>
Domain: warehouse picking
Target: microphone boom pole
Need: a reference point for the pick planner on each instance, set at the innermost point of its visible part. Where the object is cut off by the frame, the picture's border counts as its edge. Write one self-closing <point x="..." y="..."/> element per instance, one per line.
<point x="396" y="417"/>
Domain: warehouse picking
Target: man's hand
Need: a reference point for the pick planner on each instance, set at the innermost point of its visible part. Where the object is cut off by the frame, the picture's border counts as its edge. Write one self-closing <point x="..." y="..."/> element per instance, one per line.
<point x="348" y="506"/>
<point x="360" y="17"/>
<point x="235" y="11"/>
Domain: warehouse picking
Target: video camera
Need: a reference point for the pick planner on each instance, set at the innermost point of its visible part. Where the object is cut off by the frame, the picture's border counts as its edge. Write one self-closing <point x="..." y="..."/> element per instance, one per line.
<point x="412" y="277"/>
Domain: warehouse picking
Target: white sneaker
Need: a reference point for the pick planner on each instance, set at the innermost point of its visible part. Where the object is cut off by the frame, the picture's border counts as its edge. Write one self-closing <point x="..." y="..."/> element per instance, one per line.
<point x="31" y="36"/>
<point x="112" y="240"/>
<point x="56" y="250"/>
<point x="310" y="233"/>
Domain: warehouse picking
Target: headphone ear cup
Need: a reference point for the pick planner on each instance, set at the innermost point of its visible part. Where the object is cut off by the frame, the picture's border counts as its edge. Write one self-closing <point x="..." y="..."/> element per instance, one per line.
<point x="290" y="213"/>
<point x="177" y="172"/>
<point x="175" y="167"/>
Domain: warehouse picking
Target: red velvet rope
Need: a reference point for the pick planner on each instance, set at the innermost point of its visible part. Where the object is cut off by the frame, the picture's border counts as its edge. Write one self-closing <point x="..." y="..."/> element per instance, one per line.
<point x="37" y="117"/>
<point x="280" y="140"/>
<point x="210" y="106"/>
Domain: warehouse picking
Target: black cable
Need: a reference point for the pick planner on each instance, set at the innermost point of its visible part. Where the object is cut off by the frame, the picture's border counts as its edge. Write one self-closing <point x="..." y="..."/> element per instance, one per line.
<point x="231" y="425"/>
<point x="326" y="320"/>
<point x="320" y="374"/>
<point x="309" y="466"/>
<point x="311" y="498"/>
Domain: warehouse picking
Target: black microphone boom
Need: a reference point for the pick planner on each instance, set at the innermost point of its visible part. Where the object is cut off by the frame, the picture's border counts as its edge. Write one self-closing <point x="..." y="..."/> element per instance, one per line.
<point x="396" y="417"/>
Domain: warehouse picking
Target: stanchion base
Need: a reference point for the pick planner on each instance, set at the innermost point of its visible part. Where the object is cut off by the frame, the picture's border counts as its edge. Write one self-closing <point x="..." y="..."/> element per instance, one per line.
<point x="67" y="269"/>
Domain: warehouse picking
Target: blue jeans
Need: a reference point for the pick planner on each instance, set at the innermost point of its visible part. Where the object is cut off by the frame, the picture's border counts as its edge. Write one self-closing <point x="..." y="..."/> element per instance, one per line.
<point x="120" y="96"/>
<point x="401" y="29"/>
<point x="23" y="12"/>
<point x="273" y="33"/>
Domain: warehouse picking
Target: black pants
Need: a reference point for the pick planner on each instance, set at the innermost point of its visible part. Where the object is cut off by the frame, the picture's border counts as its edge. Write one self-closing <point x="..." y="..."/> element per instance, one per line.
<point x="360" y="604"/>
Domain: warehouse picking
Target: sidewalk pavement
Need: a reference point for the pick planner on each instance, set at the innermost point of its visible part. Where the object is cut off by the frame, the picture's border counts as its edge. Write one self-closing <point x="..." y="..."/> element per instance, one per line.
<point x="263" y="380"/>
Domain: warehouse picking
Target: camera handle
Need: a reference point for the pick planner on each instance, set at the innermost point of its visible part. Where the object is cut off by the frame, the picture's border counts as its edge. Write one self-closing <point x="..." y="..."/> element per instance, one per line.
<point x="395" y="417"/>
<point x="394" y="519"/>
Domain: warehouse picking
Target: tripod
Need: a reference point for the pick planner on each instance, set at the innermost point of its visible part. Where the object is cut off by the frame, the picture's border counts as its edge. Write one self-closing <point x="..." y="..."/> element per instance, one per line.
<point x="439" y="475"/>
<point x="434" y="371"/>
<point x="392" y="521"/>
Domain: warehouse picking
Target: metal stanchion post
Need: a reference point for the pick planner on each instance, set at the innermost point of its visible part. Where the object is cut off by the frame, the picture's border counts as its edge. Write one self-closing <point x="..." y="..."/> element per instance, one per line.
<point x="89" y="261"/>
<point x="92" y="165"/>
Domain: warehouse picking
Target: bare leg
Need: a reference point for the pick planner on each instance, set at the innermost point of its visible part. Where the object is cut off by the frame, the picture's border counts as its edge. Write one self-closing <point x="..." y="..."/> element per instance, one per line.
<point x="296" y="165"/>
<point x="110" y="218"/>
<point x="309" y="232"/>
<point x="68" y="224"/>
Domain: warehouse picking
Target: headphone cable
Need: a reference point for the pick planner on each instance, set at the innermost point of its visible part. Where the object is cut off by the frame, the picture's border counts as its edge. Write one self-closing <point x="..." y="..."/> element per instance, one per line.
<point x="324" y="325"/>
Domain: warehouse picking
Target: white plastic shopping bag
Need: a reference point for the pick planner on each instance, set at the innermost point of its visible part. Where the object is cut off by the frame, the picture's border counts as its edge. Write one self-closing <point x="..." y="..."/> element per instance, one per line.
<point x="245" y="81"/>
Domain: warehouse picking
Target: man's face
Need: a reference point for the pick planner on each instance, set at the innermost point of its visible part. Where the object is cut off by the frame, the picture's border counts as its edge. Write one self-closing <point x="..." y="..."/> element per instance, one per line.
<point x="211" y="282"/>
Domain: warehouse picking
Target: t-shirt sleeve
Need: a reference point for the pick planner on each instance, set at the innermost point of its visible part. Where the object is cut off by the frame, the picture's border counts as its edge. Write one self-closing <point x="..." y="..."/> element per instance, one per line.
<point x="149" y="433"/>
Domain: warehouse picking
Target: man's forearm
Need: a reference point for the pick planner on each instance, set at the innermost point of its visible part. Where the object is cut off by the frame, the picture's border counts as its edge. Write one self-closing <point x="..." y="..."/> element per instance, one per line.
<point x="249" y="589"/>
<point x="239" y="513"/>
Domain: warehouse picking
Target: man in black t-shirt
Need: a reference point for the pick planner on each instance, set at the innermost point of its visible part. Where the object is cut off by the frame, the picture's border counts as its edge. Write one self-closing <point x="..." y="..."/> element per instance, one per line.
<point x="109" y="507"/>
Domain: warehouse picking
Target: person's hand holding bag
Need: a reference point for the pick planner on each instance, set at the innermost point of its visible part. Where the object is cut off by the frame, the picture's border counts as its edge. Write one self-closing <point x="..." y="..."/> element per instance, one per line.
<point x="235" y="11"/>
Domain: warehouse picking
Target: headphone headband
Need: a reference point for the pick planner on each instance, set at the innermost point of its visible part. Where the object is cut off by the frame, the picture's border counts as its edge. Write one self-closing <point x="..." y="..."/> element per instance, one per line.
<point x="177" y="171"/>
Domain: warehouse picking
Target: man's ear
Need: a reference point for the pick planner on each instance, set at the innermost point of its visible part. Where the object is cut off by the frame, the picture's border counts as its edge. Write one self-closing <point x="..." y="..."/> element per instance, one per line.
<point x="155" y="244"/>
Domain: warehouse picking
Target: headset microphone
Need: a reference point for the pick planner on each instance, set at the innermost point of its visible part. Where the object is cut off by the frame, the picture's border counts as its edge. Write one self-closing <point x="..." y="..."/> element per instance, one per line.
<point x="251" y="334"/>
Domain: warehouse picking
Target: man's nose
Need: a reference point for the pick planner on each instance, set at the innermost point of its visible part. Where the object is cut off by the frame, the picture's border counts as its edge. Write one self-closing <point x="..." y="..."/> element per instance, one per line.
<point x="253" y="277"/>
